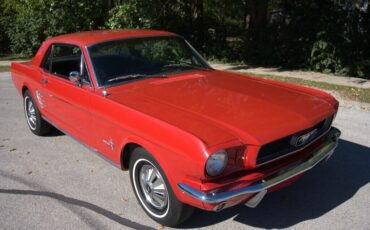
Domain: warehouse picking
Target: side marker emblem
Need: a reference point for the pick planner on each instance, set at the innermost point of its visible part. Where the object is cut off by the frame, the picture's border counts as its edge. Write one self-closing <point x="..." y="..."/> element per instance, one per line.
<point x="109" y="143"/>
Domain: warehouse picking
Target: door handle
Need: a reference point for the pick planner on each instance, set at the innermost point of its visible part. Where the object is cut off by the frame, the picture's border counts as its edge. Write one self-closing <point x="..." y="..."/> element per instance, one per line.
<point x="44" y="80"/>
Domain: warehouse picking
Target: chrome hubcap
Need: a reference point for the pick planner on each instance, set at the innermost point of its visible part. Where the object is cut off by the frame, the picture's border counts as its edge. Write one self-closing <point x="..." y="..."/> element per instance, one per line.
<point x="153" y="187"/>
<point x="30" y="112"/>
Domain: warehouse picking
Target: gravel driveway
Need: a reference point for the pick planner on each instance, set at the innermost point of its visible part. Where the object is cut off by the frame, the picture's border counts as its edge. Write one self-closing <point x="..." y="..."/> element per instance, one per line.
<point x="55" y="183"/>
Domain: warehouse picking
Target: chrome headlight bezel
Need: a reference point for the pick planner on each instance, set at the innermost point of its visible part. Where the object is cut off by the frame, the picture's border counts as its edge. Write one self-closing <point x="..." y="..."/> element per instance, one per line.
<point x="216" y="163"/>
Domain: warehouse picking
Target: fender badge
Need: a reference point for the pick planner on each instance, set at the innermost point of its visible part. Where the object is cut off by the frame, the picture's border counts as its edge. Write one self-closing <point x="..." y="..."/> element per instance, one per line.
<point x="109" y="143"/>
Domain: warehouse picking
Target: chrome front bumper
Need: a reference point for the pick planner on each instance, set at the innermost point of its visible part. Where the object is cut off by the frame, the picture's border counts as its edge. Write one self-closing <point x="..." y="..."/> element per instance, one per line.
<point x="324" y="151"/>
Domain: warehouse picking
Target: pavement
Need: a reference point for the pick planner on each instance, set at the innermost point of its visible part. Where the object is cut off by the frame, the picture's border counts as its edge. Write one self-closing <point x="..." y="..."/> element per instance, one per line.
<point x="305" y="75"/>
<point x="54" y="182"/>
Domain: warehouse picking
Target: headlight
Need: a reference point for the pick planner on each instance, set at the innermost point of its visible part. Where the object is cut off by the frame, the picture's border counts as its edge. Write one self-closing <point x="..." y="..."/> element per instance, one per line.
<point x="216" y="163"/>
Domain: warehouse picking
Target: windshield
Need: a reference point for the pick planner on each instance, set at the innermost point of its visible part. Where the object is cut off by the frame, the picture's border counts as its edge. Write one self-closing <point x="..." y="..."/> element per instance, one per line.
<point x="120" y="61"/>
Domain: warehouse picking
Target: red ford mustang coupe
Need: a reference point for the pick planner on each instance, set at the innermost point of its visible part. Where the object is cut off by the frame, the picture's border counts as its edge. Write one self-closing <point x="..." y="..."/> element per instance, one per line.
<point x="191" y="136"/>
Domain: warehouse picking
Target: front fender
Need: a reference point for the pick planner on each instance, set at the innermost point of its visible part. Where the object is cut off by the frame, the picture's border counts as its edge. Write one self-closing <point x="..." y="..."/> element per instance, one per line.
<point x="176" y="166"/>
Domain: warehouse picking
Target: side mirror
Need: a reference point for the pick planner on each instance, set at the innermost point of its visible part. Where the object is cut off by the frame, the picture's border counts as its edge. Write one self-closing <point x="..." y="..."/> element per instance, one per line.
<point x="75" y="77"/>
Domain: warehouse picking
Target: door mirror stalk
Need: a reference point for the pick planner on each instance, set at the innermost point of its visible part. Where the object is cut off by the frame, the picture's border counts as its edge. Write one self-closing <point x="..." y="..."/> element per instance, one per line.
<point x="75" y="77"/>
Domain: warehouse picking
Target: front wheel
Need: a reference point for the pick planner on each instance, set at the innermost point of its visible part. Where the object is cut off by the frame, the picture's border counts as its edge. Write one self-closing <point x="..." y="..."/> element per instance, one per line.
<point x="153" y="191"/>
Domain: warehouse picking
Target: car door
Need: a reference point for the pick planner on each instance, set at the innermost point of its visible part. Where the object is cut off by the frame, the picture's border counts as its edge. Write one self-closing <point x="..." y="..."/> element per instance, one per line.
<point x="67" y="90"/>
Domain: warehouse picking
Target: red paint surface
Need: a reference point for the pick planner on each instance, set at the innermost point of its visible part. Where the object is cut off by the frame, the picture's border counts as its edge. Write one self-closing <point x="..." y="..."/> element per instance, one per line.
<point x="180" y="119"/>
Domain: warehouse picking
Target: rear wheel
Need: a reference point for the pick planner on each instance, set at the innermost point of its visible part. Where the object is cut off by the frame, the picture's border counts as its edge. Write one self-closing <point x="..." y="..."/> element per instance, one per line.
<point x="33" y="116"/>
<point x="153" y="191"/>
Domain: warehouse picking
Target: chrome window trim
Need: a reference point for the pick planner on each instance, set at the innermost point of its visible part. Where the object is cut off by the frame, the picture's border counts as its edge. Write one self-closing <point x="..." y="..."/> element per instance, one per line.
<point x="92" y="67"/>
<point x="83" y="66"/>
<point x="81" y="63"/>
<point x="197" y="54"/>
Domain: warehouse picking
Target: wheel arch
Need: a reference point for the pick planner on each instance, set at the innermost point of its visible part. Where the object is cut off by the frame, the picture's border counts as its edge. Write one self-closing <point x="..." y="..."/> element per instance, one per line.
<point x="26" y="86"/>
<point x="126" y="154"/>
<point x="132" y="142"/>
<point x="24" y="89"/>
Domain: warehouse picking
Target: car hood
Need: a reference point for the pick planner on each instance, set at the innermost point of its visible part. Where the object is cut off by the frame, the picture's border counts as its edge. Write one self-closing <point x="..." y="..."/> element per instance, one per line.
<point x="218" y="106"/>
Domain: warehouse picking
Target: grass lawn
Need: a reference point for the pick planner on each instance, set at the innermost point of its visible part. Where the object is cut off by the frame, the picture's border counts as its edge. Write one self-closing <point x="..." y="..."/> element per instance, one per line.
<point x="347" y="92"/>
<point x="11" y="57"/>
<point x="5" y="60"/>
<point x="4" y="68"/>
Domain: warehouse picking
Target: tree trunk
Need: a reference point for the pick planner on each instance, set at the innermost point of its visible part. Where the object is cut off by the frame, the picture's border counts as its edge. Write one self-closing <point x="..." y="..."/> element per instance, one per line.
<point x="113" y="3"/>
<point x="256" y="17"/>
<point x="194" y="10"/>
<point x="199" y="23"/>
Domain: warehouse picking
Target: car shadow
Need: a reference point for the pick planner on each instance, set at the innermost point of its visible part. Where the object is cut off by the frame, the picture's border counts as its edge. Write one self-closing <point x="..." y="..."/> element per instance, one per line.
<point x="70" y="203"/>
<point x="318" y="192"/>
<point x="80" y="203"/>
<point x="54" y="132"/>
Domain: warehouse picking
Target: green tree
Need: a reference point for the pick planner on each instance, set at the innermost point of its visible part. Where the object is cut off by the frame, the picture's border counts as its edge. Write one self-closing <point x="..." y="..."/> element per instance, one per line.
<point x="29" y="22"/>
<point x="183" y="17"/>
<point x="323" y="35"/>
<point x="4" y="41"/>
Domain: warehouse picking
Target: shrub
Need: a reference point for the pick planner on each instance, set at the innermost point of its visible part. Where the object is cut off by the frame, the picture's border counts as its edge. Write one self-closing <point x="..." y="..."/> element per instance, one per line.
<point x="127" y="16"/>
<point x="323" y="57"/>
<point x="29" y="22"/>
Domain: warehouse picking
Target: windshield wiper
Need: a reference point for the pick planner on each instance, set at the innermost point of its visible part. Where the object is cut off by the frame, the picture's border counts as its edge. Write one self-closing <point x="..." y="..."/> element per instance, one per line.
<point x="132" y="76"/>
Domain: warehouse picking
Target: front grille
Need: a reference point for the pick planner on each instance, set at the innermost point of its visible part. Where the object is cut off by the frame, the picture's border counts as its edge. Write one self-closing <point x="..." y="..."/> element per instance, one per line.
<point x="284" y="146"/>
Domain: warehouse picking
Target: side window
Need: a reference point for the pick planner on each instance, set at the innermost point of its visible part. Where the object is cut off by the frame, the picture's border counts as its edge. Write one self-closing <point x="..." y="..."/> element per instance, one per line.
<point x="62" y="59"/>
<point x="65" y="59"/>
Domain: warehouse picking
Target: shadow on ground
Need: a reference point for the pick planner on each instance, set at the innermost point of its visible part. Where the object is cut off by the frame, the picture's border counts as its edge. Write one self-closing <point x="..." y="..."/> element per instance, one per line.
<point x="80" y="203"/>
<point x="318" y="192"/>
<point x="71" y="203"/>
<point x="54" y="132"/>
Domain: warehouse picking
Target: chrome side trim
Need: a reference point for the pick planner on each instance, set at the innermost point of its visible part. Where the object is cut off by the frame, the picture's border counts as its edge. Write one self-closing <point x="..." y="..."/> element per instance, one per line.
<point x="96" y="152"/>
<point x="322" y="152"/>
